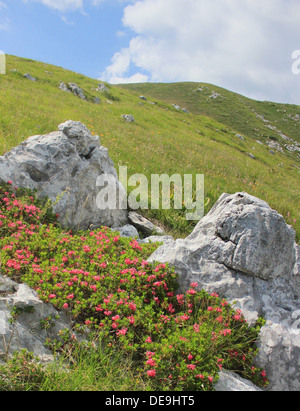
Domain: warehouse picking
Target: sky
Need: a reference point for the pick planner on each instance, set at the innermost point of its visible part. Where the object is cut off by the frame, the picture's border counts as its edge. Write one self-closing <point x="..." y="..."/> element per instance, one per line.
<point x="248" y="46"/>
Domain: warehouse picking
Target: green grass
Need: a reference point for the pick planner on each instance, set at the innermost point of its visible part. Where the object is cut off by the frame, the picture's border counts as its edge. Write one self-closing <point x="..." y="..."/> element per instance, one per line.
<point x="162" y="139"/>
<point x="82" y="368"/>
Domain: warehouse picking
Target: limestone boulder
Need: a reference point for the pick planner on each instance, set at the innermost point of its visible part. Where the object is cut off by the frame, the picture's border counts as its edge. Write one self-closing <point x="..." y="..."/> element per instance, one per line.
<point x="67" y="162"/>
<point x="26" y="322"/>
<point x="244" y="251"/>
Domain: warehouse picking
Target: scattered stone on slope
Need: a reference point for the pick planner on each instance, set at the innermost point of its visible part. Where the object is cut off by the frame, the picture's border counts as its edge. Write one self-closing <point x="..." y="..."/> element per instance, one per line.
<point x="72" y="88"/>
<point x="102" y="88"/>
<point x="128" y="118"/>
<point x="244" y="251"/>
<point x="77" y="91"/>
<point x="68" y="161"/>
<point x="29" y="77"/>
<point x="62" y="86"/>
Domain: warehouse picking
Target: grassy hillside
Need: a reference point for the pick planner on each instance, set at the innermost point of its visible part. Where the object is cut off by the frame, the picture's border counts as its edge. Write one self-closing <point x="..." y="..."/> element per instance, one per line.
<point x="249" y="117"/>
<point x="163" y="139"/>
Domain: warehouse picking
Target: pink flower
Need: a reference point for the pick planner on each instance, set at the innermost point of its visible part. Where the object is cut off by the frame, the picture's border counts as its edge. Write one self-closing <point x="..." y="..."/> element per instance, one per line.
<point x="215" y="295"/>
<point x="151" y="373"/>
<point x="51" y="296"/>
<point x="148" y="340"/>
<point x="200" y="376"/>
<point x="190" y="357"/>
<point x="151" y="362"/>
<point x="131" y="319"/>
<point x="70" y="297"/>
<point x="191" y="367"/>
<point x="65" y="305"/>
<point x="107" y="312"/>
<point x="122" y="332"/>
<point x="132" y="306"/>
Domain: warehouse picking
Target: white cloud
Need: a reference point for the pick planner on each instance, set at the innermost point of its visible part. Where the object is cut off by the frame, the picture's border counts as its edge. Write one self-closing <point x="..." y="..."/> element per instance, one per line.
<point x="245" y="46"/>
<point x="60" y="5"/>
<point x="68" y="5"/>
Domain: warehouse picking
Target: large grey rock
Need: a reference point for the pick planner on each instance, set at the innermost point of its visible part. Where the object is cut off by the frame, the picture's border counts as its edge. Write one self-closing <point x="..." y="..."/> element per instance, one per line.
<point x="21" y="317"/>
<point x="68" y="161"/>
<point x="245" y="251"/>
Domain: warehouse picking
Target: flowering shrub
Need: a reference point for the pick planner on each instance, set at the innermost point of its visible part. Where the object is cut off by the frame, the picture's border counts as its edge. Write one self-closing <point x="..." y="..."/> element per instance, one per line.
<point x="105" y="283"/>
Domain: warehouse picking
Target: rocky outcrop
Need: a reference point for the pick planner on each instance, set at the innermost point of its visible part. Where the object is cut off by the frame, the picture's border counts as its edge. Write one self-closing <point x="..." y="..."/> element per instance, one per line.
<point x="77" y="91"/>
<point x="72" y="88"/>
<point x="68" y="161"/>
<point x="244" y="251"/>
<point x="26" y="322"/>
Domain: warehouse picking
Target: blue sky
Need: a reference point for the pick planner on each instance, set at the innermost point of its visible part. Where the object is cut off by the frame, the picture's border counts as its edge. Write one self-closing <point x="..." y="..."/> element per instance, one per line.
<point x="242" y="45"/>
<point x="83" y="39"/>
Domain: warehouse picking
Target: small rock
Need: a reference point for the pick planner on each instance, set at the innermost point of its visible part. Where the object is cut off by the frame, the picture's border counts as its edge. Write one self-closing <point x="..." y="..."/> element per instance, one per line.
<point x="76" y="90"/>
<point x="62" y="86"/>
<point x="102" y="88"/>
<point x="143" y="98"/>
<point x="143" y="225"/>
<point x="128" y="118"/>
<point x="127" y="231"/>
<point x="29" y="77"/>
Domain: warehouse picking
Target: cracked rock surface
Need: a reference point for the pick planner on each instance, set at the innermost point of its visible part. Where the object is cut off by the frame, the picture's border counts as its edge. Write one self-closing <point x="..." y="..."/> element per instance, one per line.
<point x="244" y="251"/>
<point x="23" y="330"/>
<point x="67" y="161"/>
